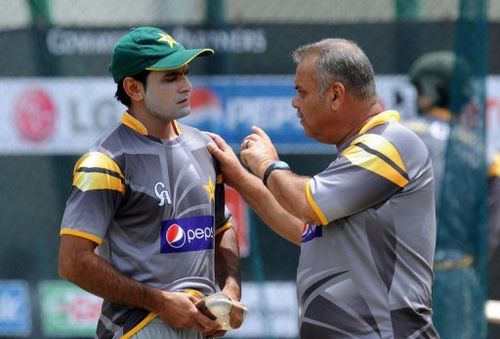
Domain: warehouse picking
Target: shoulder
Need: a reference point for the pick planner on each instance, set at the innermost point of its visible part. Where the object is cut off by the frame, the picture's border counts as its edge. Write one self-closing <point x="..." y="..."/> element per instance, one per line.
<point x="402" y="136"/>
<point x="394" y="144"/>
<point x="194" y="136"/>
<point x="392" y="135"/>
<point x="408" y="143"/>
<point x="106" y="151"/>
<point x="113" y="141"/>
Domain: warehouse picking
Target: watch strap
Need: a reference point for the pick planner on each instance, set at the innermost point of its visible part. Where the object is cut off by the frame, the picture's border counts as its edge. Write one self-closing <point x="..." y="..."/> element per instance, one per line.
<point x="275" y="165"/>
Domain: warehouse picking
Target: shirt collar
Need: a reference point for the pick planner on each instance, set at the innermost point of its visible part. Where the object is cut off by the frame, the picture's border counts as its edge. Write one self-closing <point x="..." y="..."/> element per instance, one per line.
<point x="131" y="122"/>
<point x="379" y="119"/>
<point x="376" y="120"/>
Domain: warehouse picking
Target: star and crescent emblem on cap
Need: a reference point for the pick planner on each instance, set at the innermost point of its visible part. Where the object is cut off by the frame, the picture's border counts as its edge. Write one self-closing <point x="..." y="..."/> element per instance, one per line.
<point x="168" y="39"/>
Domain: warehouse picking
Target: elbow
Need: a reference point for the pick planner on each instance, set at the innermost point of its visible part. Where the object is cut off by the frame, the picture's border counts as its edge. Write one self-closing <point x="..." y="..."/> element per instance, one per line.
<point x="308" y="216"/>
<point x="69" y="267"/>
<point x="64" y="269"/>
<point x="74" y="257"/>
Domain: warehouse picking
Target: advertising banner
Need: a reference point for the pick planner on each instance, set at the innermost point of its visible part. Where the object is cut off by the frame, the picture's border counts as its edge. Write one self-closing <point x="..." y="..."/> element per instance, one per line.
<point x="241" y="224"/>
<point x="272" y="310"/>
<point x="15" y="308"/>
<point x="67" y="115"/>
<point x="67" y="310"/>
<point x="258" y="48"/>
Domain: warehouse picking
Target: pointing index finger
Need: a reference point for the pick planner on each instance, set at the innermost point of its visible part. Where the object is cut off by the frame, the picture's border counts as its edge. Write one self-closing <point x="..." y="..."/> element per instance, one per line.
<point x="260" y="132"/>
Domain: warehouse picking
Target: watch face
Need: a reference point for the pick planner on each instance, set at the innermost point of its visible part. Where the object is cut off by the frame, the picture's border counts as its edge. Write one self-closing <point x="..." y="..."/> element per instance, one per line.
<point x="282" y="165"/>
<point x="276" y="165"/>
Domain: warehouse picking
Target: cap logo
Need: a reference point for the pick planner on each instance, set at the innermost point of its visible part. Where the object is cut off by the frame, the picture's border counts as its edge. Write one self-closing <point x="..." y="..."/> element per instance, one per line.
<point x="168" y="39"/>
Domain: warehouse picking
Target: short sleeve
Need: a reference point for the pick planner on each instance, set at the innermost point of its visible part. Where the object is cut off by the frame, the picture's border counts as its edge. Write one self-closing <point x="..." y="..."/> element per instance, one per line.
<point x="222" y="214"/>
<point x="97" y="189"/>
<point x="369" y="171"/>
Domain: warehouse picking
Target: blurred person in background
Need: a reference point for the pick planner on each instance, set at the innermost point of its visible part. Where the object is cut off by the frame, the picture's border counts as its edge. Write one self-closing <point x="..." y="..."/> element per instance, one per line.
<point x="366" y="224"/>
<point x="494" y="204"/>
<point x="457" y="314"/>
<point x="149" y="197"/>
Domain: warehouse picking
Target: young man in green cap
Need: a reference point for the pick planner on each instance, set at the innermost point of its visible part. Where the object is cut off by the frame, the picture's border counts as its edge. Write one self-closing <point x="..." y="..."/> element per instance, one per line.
<point x="145" y="226"/>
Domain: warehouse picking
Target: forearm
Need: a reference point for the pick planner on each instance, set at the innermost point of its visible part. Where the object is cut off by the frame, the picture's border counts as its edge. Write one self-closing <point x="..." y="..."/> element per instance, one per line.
<point x="227" y="263"/>
<point x="97" y="276"/>
<point x="269" y="209"/>
<point x="289" y="190"/>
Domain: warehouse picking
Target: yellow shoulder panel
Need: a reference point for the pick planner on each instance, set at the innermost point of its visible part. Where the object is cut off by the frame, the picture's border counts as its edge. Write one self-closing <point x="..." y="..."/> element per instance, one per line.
<point x="98" y="160"/>
<point x="95" y="171"/>
<point x="378" y="155"/>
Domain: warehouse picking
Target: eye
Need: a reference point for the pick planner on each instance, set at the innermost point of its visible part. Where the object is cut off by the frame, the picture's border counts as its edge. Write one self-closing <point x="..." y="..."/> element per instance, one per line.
<point x="170" y="78"/>
<point x="300" y="91"/>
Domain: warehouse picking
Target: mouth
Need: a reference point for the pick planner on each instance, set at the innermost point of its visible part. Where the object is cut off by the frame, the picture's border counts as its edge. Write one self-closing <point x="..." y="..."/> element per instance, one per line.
<point x="300" y="116"/>
<point x="183" y="102"/>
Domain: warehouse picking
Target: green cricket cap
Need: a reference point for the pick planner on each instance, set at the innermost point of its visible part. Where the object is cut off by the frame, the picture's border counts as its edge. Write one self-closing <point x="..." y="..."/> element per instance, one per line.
<point x="149" y="48"/>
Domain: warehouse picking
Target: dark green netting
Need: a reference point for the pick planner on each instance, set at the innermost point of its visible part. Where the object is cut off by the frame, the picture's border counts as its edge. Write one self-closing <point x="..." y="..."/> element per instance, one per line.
<point x="460" y="287"/>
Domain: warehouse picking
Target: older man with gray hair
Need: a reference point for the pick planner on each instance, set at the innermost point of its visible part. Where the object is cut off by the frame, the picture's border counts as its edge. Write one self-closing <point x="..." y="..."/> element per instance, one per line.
<point x="366" y="224"/>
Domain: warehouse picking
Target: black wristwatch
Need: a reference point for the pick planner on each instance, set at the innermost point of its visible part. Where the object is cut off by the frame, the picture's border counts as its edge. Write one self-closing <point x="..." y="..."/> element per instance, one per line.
<point x="275" y="165"/>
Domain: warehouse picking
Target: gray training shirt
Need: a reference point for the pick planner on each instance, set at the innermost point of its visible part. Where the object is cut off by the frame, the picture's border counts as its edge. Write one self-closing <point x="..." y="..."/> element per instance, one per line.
<point x="366" y="272"/>
<point x="154" y="207"/>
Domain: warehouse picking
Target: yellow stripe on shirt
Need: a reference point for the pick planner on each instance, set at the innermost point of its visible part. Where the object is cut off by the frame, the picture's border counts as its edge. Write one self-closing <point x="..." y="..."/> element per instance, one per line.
<point x="314" y="205"/>
<point x="223" y="228"/>
<point x="381" y="145"/>
<point x="139" y="326"/>
<point x="359" y="157"/>
<point x="81" y="234"/>
<point x="380" y="119"/>
<point x="134" y="124"/>
<point x="98" y="160"/>
<point x="95" y="171"/>
<point x="97" y="181"/>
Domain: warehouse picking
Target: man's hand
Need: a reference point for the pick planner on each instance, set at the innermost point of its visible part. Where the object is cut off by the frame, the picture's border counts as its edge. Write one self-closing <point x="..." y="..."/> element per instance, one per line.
<point x="227" y="312"/>
<point x="231" y="168"/>
<point x="178" y="310"/>
<point x="258" y="151"/>
<point x="79" y="264"/>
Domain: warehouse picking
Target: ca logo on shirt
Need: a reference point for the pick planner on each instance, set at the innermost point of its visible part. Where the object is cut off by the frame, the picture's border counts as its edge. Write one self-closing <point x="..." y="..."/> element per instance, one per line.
<point x="162" y="193"/>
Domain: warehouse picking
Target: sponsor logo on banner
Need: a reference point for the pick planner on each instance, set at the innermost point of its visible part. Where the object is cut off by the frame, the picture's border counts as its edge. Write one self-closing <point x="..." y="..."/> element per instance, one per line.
<point x="187" y="234"/>
<point x="67" y="115"/>
<point x="311" y="231"/>
<point x="35" y="114"/>
<point x="15" y="314"/>
<point x="67" y="310"/>
<point x="206" y="109"/>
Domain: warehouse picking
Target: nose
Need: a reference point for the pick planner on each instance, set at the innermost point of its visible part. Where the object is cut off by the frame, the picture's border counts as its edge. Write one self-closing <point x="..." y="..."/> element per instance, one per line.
<point x="295" y="103"/>
<point x="186" y="85"/>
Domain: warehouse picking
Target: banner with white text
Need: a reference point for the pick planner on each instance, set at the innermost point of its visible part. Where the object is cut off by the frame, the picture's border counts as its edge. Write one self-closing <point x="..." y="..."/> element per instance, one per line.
<point x="67" y="115"/>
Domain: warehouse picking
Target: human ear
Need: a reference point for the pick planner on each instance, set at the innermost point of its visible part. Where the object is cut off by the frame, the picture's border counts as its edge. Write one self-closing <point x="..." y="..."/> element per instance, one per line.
<point x="336" y="93"/>
<point x="133" y="88"/>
